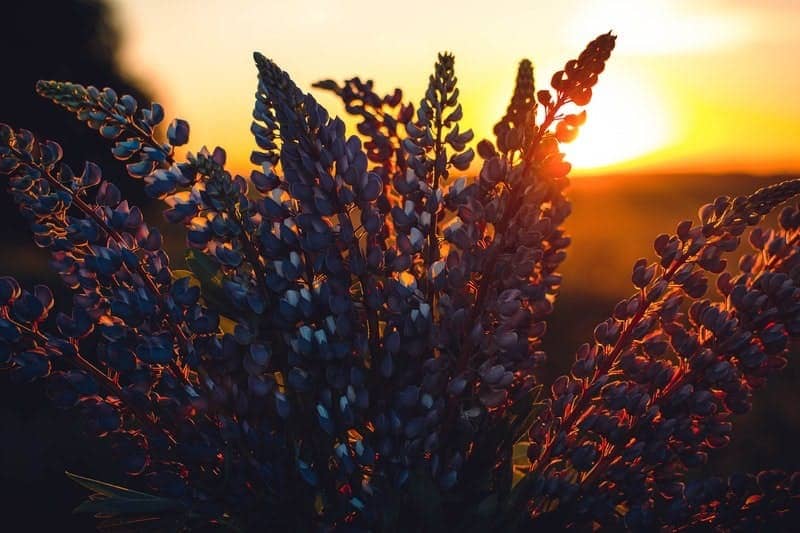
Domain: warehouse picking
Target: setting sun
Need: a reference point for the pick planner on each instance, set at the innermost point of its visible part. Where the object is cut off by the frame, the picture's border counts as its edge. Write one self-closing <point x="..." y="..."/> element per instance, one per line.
<point x="616" y="132"/>
<point x="679" y="96"/>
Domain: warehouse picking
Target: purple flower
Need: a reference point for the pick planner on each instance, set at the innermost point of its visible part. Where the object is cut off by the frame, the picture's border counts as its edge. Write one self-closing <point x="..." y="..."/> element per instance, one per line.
<point x="354" y="345"/>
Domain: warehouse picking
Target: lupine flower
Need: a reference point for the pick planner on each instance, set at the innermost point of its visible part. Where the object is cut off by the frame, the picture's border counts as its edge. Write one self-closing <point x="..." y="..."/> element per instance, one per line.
<point x="354" y="345"/>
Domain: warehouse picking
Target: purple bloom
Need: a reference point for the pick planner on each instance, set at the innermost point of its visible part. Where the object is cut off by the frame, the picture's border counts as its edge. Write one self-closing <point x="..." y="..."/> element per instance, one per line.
<point x="355" y="343"/>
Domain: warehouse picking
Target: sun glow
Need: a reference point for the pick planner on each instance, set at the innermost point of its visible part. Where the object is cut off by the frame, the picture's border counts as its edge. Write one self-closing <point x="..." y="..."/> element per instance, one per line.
<point x="678" y="26"/>
<point x="692" y="86"/>
<point x="626" y="121"/>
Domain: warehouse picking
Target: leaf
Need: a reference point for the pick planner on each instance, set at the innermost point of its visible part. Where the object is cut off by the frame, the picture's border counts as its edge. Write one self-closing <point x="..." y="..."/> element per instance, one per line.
<point x="425" y="500"/>
<point x="481" y="517"/>
<point x="488" y="506"/>
<point x="510" y="514"/>
<point x="210" y="277"/>
<point x="519" y="455"/>
<point x="121" y="506"/>
<point x="127" y="523"/>
<point x="203" y="266"/>
<point x="520" y="462"/>
<point x="518" y="475"/>
<point x="180" y="274"/>
<point x="526" y="414"/>
<point x="533" y="395"/>
<point x="226" y="324"/>
<point x="110" y="499"/>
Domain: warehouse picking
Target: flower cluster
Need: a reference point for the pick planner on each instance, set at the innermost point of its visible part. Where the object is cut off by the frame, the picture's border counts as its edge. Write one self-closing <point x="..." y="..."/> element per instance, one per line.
<point x="353" y="343"/>
<point x="657" y="389"/>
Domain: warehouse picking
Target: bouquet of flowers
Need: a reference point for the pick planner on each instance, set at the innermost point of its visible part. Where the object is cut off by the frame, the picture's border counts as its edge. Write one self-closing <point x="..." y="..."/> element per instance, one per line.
<point x="351" y="340"/>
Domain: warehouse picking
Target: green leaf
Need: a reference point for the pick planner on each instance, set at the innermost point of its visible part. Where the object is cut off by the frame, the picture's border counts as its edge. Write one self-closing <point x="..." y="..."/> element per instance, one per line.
<point x="526" y="413"/>
<point x="520" y="454"/>
<point x="124" y="506"/>
<point x="122" y="524"/>
<point x="208" y="275"/>
<point x="180" y="274"/>
<point x="480" y="518"/>
<point x="202" y="265"/>
<point x="226" y="324"/>
<point x="512" y="511"/>
<point x="425" y="500"/>
<point x="488" y="507"/>
<point x="110" y="499"/>
<point x="520" y="462"/>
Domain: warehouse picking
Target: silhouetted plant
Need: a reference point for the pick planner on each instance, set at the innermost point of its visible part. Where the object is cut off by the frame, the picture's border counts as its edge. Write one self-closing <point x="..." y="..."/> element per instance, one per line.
<point x="354" y="345"/>
<point x="88" y="43"/>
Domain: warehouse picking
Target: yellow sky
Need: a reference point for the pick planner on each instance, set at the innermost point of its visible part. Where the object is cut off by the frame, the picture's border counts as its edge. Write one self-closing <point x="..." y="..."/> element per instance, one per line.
<point x="693" y="86"/>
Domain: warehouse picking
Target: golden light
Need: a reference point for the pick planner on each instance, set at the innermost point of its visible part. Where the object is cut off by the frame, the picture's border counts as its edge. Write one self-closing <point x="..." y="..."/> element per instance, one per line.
<point x="675" y="28"/>
<point x="626" y="121"/>
<point x="711" y="85"/>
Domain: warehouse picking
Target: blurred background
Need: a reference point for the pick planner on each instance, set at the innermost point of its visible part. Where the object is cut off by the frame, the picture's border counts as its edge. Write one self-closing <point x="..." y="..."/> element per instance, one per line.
<point x="699" y="99"/>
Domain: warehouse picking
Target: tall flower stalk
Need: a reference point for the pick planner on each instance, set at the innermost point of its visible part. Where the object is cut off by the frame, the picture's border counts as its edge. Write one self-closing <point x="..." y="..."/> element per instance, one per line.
<point x="354" y="343"/>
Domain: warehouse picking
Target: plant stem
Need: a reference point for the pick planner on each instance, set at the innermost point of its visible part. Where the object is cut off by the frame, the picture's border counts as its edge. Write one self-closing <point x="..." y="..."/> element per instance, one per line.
<point x="110" y="386"/>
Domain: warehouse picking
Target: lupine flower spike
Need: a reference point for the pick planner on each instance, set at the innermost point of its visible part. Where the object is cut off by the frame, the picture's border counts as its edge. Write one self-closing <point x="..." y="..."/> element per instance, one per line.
<point x="354" y="343"/>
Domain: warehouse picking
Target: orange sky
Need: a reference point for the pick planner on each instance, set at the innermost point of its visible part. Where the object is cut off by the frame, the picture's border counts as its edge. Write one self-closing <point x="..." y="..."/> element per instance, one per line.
<point x="693" y="86"/>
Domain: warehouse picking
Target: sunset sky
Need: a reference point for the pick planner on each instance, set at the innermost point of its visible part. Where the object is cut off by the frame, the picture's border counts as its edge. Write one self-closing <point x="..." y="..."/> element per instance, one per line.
<point x="693" y="86"/>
